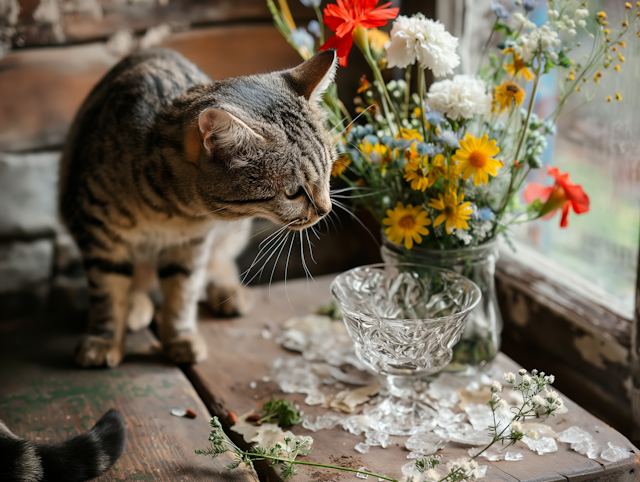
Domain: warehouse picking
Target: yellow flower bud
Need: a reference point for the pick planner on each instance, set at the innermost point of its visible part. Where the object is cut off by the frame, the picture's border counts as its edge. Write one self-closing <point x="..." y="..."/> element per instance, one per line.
<point x="571" y="78"/>
<point x="623" y="44"/>
<point x="618" y="96"/>
<point x="607" y="31"/>
<point x="620" y="56"/>
<point x="607" y="39"/>
<point x="627" y="5"/>
<point x="625" y="24"/>
<point x="577" y="88"/>
<point x="605" y="23"/>
<point x="601" y="14"/>
<point x="609" y="99"/>
<point x="618" y="67"/>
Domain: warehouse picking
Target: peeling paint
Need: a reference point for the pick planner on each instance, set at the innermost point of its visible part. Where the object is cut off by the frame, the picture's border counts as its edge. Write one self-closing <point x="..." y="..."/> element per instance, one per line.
<point x="600" y="351"/>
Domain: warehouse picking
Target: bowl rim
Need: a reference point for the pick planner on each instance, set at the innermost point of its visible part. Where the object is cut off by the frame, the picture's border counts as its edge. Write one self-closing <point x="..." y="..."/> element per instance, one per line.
<point x="475" y="287"/>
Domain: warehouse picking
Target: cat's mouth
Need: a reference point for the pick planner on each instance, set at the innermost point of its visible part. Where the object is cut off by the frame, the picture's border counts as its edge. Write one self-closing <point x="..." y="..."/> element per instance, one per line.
<point x="303" y="223"/>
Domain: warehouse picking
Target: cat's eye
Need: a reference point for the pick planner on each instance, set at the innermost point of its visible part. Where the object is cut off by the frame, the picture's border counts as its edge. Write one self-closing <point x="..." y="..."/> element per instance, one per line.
<point x="293" y="192"/>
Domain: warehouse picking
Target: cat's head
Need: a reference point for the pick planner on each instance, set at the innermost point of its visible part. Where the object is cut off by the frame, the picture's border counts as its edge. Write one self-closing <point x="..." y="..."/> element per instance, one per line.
<point x="265" y="148"/>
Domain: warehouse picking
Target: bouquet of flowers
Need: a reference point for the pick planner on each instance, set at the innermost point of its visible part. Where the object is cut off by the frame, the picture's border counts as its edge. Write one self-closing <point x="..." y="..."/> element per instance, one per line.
<point x="443" y="166"/>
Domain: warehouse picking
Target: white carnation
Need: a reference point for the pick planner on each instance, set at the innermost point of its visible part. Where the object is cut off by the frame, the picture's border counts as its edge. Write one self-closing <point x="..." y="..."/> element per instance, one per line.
<point x="461" y="97"/>
<point x="424" y="40"/>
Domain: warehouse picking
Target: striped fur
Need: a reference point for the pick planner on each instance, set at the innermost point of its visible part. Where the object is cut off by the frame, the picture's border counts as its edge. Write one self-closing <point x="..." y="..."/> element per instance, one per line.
<point x="75" y="460"/>
<point x="163" y="170"/>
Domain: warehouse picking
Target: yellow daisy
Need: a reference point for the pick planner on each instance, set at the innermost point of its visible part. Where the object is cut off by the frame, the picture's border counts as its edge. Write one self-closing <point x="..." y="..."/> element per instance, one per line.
<point x="339" y="166"/>
<point x="454" y="211"/>
<point x="475" y="158"/>
<point x="518" y="69"/>
<point x="416" y="173"/>
<point x="406" y="224"/>
<point x="377" y="154"/>
<point x="506" y="94"/>
<point x="439" y="169"/>
<point x="409" y="134"/>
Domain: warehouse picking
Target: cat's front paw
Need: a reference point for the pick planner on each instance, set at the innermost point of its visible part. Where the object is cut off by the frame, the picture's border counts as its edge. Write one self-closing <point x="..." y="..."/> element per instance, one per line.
<point x="229" y="301"/>
<point x="95" y="351"/>
<point x="186" y="348"/>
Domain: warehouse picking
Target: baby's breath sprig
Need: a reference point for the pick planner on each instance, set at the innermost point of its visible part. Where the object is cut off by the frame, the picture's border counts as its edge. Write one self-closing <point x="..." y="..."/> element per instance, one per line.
<point x="283" y="457"/>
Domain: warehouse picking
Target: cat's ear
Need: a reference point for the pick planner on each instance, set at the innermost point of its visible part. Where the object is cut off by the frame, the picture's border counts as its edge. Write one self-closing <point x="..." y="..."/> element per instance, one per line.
<point x="312" y="78"/>
<point x="222" y="130"/>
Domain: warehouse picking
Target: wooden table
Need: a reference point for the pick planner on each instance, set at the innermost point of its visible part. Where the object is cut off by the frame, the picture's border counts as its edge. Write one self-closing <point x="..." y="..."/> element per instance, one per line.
<point x="45" y="397"/>
<point x="240" y="355"/>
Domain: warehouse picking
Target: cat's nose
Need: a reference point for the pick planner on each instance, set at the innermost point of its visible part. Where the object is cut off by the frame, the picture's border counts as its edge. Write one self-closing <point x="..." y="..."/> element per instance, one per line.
<point x="323" y="211"/>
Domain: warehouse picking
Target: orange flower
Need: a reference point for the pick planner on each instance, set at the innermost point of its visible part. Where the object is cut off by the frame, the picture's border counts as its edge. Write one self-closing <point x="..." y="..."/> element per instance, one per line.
<point x="347" y="15"/>
<point x="562" y="195"/>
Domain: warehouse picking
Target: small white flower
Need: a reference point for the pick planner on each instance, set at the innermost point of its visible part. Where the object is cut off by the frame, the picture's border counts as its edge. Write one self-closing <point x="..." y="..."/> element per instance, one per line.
<point x="516" y="426"/>
<point x="551" y="379"/>
<point x="461" y="97"/>
<point x="570" y="23"/>
<point x="526" y="379"/>
<point x="495" y="397"/>
<point x="496" y="386"/>
<point x="424" y="40"/>
<point x="519" y="16"/>
<point x="502" y="403"/>
<point x="522" y="372"/>
<point x="537" y="401"/>
<point x="581" y="13"/>
<point x="509" y="377"/>
<point x="572" y="32"/>
<point x="553" y="14"/>
<point x="581" y="23"/>
<point x="591" y="35"/>
<point x="551" y="395"/>
<point x="431" y="476"/>
<point x="553" y="56"/>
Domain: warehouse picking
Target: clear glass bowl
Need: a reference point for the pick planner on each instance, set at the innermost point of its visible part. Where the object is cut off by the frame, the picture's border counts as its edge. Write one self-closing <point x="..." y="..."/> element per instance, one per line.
<point x="404" y="319"/>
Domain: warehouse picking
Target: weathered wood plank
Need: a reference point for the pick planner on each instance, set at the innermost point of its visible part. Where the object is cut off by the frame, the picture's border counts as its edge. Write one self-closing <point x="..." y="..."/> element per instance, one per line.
<point x="45" y="397"/>
<point x="92" y="20"/>
<point x="43" y="88"/>
<point x="223" y="383"/>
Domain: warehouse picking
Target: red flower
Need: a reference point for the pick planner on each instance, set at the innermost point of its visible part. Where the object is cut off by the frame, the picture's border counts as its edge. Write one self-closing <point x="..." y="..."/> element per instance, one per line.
<point x="344" y="17"/>
<point x="562" y="195"/>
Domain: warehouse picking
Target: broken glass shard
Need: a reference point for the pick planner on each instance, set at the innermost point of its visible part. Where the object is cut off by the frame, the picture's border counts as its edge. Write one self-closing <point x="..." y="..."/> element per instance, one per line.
<point x="363" y="476"/>
<point x="615" y="453"/>
<point x="425" y="443"/>
<point x="482" y="471"/>
<point x="410" y="469"/>
<point x="542" y="445"/>
<point x="362" y="448"/>
<point x="513" y="456"/>
<point x="574" y="435"/>
<point x="586" y="447"/>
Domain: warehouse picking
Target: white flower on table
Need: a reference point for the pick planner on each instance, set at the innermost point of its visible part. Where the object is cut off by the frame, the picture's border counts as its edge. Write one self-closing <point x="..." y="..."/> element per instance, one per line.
<point x="461" y="97"/>
<point x="496" y="386"/>
<point x="426" y="41"/>
<point x="509" y="377"/>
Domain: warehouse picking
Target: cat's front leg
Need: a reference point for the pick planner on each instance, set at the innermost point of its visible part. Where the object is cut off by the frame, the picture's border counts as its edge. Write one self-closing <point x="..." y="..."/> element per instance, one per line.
<point x="109" y="278"/>
<point x="182" y="273"/>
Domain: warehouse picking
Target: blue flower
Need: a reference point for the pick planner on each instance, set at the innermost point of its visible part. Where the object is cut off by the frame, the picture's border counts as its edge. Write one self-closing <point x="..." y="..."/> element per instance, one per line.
<point x="486" y="214"/>
<point x="449" y="138"/>
<point x="371" y="139"/>
<point x="301" y="38"/>
<point x="314" y="28"/>
<point x="311" y="3"/>
<point x="500" y="10"/>
<point x="402" y="144"/>
<point x="387" y="141"/>
<point x="529" y="5"/>
<point x="425" y="149"/>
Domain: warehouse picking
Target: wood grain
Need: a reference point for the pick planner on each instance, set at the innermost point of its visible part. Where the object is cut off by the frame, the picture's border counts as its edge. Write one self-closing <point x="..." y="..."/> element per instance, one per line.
<point x="224" y="385"/>
<point x="45" y="397"/>
<point x="43" y="88"/>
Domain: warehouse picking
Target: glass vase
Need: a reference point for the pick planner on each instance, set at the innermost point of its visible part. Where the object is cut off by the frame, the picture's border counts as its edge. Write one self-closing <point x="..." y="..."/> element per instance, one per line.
<point x="481" y="339"/>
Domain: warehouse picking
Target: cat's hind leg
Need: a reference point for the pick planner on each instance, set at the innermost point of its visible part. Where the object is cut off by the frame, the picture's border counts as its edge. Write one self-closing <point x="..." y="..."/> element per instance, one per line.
<point x="110" y="274"/>
<point x="226" y="295"/>
<point x="141" y="308"/>
<point x="182" y="273"/>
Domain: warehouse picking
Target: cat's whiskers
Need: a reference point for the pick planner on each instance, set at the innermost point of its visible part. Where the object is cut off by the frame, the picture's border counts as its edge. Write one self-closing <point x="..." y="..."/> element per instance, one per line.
<point x="210" y="212"/>
<point x="304" y="265"/>
<point x="344" y="208"/>
<point x="272" y="240"/>
<point x="349" y="125"/>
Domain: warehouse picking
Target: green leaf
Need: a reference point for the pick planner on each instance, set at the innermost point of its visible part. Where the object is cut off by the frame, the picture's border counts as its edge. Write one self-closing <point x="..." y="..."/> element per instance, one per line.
<point x="280" y="411"/>
<point x="495" y="63"/>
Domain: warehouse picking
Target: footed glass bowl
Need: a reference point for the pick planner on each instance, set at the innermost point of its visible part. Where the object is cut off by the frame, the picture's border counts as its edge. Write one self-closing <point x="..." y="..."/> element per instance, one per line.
<point x="404" y="320"/>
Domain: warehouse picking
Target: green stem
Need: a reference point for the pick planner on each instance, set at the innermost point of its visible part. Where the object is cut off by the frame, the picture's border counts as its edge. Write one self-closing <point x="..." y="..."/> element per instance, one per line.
<point x="313" y="464"/>
<point x="421" y="93"/>
<point x="319" y="15"/>
<point x="486" y="47"/>
<point x="521" y="141"/>
<point x="407" y="93"/>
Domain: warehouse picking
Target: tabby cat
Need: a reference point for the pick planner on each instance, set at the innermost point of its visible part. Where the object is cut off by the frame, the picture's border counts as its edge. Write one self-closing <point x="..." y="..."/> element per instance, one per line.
<point x="75" y="460"/>
<point x="162" y="171"/>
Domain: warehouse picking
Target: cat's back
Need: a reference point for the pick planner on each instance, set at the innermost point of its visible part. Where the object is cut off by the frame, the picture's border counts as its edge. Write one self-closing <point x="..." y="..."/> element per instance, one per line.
<point x="116" y="123"/>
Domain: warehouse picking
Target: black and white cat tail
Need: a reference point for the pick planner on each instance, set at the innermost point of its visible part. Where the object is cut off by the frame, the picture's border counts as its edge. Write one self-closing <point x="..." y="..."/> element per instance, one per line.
<point x="78" y="459"/>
